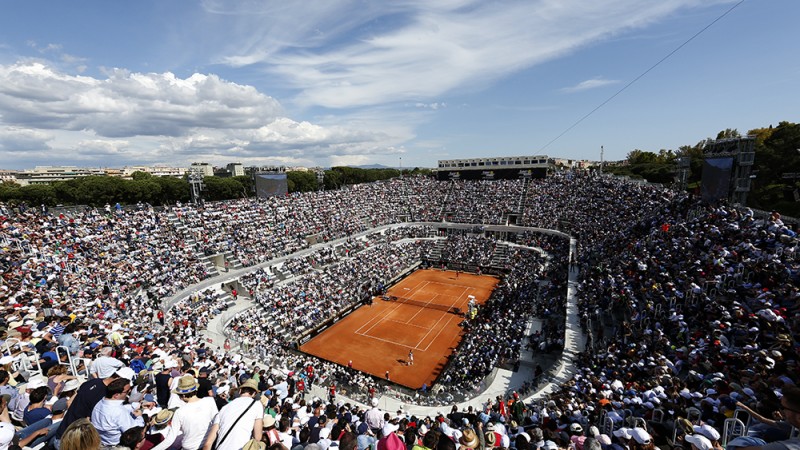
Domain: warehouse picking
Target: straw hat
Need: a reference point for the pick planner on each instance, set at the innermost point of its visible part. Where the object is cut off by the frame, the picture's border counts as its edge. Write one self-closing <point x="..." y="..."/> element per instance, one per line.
<point x="491" y="438"/>
<point x="253" y="444"/>
<point x="250" y="383"/>
<point x="469" y="439"/>
<point x="164" y="416"/>
<point x="186" y="385"/>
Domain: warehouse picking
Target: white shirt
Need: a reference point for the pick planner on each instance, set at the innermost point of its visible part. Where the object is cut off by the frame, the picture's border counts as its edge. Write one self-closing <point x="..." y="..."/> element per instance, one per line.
<point x="244" y="427"/>
<point x="194" y="419"/>
<point x="6" y="435"/>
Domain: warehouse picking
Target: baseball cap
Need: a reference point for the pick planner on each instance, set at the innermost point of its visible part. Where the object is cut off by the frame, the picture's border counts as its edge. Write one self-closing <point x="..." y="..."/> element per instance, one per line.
<point x="708" y="431"/>
<point x="699" y="441"/>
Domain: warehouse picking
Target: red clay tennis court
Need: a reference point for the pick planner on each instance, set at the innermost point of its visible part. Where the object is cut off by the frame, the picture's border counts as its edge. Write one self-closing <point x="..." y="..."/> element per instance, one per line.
<point x="378" y="338"/>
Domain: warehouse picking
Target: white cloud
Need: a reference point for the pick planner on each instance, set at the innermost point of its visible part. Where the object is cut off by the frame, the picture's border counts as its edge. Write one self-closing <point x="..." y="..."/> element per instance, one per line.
<point x="416" y="50"/>
<point x="589" y="84"/>
<point x="142" y="117"/>
<point x="384" y="66"/>
<point x="102" y="147"/>
<point x="434" y="106"/>
<point x="16" y="139"/>
<point x="128" y="104"/>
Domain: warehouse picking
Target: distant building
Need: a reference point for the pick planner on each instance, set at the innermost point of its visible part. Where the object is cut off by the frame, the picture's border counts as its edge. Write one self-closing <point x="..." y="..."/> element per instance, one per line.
<point x="577" y="163"/>
<point x="156" y="171"/>
<point x="8" y="176"/>
<point x="251" y="170"/>
<point x="50" y="174"/>
<point x="236" y="169"/>
<point x="205" y="168"/>
<point x="504" y="167"/>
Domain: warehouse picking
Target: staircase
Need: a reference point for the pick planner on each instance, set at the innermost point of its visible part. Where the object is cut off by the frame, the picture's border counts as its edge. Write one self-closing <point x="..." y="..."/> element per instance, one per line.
<point x="500" y="256"/>
<point x="233" y="261"/>
<point x="211" y="268"/>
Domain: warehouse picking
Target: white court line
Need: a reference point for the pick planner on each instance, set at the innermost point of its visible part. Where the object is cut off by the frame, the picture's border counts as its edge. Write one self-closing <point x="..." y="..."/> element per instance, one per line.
<point x="437" y="323"/>
<point x="397" y="306"/>
<point x="387" y="312"/>
<point x="379" y="319"/>
<point x="421" y="308"/>
<point x="394" y="342"/>
<point x="437" y="334"/>
<point x="454" y="284"/>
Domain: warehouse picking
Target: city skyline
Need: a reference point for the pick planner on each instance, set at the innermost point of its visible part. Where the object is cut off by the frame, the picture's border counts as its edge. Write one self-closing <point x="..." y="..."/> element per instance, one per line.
<point x="361" y="83"/>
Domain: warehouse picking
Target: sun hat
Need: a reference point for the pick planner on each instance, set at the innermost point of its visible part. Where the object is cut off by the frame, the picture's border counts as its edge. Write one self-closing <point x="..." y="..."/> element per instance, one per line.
<point x="389" y="428"/>
<point x="253" y="444"/>
<point x="250" y="383"/>
<point x="71" y="385"/>
<point x="127" y="373"/>
<point x="623" y="433"/>
<point x="59" y="406"/>
<point x="35" y="383"/>
<point x="164" y="416"/>
<point x="491" y="438"/>
<point x="186" y="385"/>
<point x="391" y="442"/>
<point x="549" y="445"/>
<point x="469" y="438"/>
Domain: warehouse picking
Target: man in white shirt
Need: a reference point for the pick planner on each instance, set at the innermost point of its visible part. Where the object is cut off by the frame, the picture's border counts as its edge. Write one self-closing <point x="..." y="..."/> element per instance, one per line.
<point x="238" y="420"/>
<point x="193" y="419"/>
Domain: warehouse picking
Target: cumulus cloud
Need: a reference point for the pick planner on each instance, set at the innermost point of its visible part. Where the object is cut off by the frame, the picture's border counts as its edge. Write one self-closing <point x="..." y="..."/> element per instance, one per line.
<point x="374" y="65"/>
<point x="102" y="147"/>
<point x="141" y="117"/>
<point x="15" y="139"/>
<point x="128" y="104"/>
<point x="589" y="84"/>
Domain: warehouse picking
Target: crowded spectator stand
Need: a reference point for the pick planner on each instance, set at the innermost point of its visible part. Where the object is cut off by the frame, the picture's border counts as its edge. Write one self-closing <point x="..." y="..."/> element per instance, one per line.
<point x="689" y="310"/>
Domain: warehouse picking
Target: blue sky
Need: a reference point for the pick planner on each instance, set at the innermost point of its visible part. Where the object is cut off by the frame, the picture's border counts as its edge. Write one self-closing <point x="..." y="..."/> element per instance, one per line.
<point x="108" y="84"/>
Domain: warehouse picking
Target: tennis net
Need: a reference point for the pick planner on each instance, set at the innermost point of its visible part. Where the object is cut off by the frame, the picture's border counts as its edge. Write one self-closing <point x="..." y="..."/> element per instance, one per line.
<point x="421" y="304"/>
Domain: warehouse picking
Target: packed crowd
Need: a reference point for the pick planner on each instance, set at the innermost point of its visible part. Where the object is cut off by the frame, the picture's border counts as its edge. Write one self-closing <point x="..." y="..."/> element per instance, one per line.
<point x="307" y="301"/>
<point x="505" y="197"/>
<point x="497" y="335"/>
<point x="469" y="249"/>
<point x="691" y="310"/>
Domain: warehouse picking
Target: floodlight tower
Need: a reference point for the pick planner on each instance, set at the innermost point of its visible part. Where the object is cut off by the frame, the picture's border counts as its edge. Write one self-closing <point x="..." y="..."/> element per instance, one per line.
<point x="196" y="183"/>
<point x="601" y="159"/>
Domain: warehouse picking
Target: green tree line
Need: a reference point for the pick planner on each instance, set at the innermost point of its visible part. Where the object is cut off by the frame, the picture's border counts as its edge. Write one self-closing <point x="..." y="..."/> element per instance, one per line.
<point x="145" y="188"/>
<point x="777" y="159"/>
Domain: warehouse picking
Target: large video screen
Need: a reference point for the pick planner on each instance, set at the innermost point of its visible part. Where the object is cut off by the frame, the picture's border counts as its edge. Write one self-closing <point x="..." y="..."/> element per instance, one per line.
<point x="271" y="184"/>
<point x="716" y="179"/>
